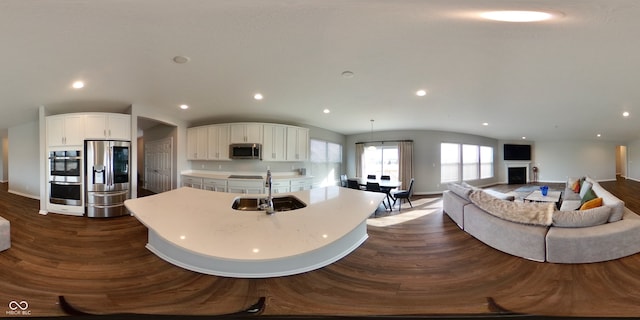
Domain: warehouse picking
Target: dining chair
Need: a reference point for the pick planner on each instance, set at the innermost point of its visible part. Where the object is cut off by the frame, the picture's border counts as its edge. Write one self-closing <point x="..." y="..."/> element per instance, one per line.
<point x="375" y="187"/>
<point x="371" y="176"/>
<point x="343" y="180"/>
<point x="385" y="177"/>
<point x="404" y="194"/>
<point x="353" y="184"/>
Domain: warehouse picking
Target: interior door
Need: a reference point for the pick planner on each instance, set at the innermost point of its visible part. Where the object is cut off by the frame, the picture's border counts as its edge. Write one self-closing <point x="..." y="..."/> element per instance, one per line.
<point x="158" y="165"/>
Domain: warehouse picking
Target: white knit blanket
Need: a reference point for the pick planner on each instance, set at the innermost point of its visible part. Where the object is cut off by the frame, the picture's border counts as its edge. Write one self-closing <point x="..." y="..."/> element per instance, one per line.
<point x="527" y="213"/>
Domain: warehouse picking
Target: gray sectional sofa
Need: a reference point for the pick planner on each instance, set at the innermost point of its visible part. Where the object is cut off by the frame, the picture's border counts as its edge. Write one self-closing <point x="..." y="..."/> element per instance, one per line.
<point x="5" y="234"/>
<point x="608" y="232"/>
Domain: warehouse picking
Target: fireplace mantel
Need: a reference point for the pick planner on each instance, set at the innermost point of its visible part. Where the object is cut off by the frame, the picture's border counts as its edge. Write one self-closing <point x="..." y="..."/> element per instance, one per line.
<point x="517" y="164"/>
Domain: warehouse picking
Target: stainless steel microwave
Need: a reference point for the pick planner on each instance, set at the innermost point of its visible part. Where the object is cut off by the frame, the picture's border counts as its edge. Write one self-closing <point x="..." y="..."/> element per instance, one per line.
<point x="245" y="151"/>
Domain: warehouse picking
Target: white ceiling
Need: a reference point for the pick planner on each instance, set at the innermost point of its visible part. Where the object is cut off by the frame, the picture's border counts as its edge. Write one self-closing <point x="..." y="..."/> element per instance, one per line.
<point x="570" y="78"/>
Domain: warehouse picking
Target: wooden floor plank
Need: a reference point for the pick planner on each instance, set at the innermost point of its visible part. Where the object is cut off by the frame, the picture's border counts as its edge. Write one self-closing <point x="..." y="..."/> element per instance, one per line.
<point x="422" y="265"/>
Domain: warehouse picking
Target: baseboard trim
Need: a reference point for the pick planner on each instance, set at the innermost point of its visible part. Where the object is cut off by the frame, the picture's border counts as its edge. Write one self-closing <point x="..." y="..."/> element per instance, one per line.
<point x="26" y="195"/>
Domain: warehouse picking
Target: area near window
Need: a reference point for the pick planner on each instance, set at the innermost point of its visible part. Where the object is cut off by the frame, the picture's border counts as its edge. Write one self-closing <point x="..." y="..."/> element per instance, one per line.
<point x="326" y="162"/>
<point x="463" y="162"/>
<point x="381" y="159"/>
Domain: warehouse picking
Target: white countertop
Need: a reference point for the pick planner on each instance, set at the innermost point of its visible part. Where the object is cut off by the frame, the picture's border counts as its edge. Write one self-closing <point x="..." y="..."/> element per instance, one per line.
<point x="203" y="222"/>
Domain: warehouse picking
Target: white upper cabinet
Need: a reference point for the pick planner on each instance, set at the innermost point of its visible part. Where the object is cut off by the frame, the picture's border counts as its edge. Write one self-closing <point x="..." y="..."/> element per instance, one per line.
<point x="275" y="142"/>
<point x="65" y="130"/>
<point x="197" y="143"/>
<point x="246" y="133"/>
<point x="218" y="142"/>
<point x="110" y="126"/>
<point x="297" y="144"/>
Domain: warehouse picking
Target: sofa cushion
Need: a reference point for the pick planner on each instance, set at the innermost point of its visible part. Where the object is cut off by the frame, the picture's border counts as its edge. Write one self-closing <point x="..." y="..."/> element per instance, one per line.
<point x="570" y="205"/>
<point x="581" y="218"/>
<point x="597" y="202"/>
<point x="460" y="190"/>
<point x="586" y="186"/>
<point x="589" y="195"/>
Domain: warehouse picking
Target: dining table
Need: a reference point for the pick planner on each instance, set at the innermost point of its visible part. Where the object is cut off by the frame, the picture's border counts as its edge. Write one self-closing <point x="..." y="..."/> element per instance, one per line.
<point x="385" y="185"/>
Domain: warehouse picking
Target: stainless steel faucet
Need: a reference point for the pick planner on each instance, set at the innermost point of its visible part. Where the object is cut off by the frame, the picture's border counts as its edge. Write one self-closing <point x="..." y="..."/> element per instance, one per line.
<point x="269" y="184"/>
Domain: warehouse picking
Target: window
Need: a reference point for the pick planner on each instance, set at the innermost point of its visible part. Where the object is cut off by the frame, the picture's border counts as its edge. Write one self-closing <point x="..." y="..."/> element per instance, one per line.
<point x="381" y="160"/>
<point x="486" y="162"/>
<point x="326" y="162"/>
<point x="465" y="162"/>
<point x="449" y="162"/>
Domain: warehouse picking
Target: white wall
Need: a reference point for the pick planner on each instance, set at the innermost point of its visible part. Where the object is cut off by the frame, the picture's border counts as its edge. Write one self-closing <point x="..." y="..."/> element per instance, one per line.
<point x="24" y="160"/>
<point x="557" y="160"/>
<point x="4" y="158"/>
<point x="633" y="157"/>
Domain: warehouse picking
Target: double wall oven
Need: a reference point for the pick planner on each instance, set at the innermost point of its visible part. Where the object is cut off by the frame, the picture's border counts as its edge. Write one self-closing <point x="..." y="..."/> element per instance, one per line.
<point x="65" y="177"/>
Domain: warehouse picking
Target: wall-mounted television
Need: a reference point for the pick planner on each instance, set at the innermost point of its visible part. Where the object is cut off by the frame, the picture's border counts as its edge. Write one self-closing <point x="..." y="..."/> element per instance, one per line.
<point x="517" y="152"/>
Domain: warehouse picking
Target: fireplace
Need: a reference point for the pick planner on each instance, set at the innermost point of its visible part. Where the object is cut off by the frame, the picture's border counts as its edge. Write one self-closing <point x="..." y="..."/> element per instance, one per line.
<point x="523" y="176"/>
<point x="517" y="175"/>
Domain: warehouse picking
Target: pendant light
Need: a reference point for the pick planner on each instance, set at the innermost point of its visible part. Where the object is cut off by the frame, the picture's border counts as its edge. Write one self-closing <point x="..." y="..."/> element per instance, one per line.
<point x="371" y="147"/>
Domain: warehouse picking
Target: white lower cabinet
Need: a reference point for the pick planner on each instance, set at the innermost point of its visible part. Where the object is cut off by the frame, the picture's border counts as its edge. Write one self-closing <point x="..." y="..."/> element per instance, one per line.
<point x="192" y="182"/>
<point x="219" y="185"/>
<point x="245" y="186"/>
<point x="279" y="186"/>
<point x="301" y="184"/>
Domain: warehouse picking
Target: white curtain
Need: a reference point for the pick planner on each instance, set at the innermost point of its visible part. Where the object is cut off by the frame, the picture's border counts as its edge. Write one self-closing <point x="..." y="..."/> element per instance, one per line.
<point x="405" y="154"/>
<point x="359" y="155"/>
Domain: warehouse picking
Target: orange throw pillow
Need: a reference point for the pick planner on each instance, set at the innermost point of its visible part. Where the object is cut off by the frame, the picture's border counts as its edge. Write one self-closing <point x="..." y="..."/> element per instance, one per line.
<point x="576" y="186"/>
<point x="597" y="202"/>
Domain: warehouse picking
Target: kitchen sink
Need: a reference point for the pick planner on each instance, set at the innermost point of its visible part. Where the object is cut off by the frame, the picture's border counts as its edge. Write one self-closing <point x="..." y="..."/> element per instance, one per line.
<point x="283" y="203"/>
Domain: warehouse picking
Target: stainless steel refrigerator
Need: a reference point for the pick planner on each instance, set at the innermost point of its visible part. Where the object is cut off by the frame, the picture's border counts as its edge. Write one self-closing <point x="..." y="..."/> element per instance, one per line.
<point x="107" y="177"/>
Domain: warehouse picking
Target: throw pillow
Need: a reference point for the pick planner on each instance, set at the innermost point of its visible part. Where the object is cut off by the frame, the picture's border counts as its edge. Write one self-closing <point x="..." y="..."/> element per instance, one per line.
<point x="597" y="202"/>
<point x="581" y="218"/>
<point x="586" y="186"/>
<point x="575" y="187"/>
<point x="589" y="195"/>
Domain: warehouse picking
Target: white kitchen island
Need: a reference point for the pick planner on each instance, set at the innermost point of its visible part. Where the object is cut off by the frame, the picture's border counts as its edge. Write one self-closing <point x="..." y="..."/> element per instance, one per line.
<point x="198" y="230"/>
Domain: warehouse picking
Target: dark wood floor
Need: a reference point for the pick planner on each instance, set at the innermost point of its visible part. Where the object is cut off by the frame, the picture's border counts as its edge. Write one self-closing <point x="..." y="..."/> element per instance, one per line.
<point x="424" y="265"/>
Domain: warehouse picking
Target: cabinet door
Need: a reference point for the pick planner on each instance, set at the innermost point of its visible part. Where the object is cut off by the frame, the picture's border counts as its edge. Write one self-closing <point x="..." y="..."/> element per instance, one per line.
<point x="119" y="126"/>
<point x="254" y="133"/>
<point x="65" y="130"/>
<point x="55" y="131"/>
<point x="297" y="144"/>
<point x="218" y="142"/>
<point x="275" y="140"/>
<point x="303" y="144"/>
<point x="237" y="133"/>
<point x="96" y="126"/>
<point x="197" y="143"/>
<point x="246" y="133"/>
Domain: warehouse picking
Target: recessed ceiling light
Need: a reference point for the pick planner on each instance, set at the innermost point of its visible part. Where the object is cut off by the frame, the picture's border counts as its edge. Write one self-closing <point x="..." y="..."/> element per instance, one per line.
<point x="347" y="74"/>
<point x="485" y="124"/>
<point x="517" y="16"/>
<point x="78" y="85"/>
<point x="598" y="135"/>
<point x="258" y="96"/>
<point x="524" y="138"/>
<point x="184" y="107"/>
<point x="326" y="111"/>
<point x="625" y="114"/>
<point x="181" y="59"/>
<point x="421" y="93"/>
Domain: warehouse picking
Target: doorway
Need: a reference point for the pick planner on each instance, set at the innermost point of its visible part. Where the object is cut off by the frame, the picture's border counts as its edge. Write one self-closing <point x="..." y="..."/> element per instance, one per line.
<point x="621" y="161"/>
<point x="158" y="165"/>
